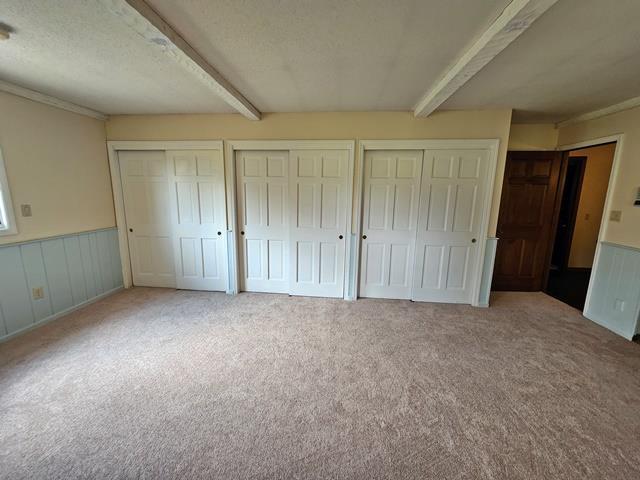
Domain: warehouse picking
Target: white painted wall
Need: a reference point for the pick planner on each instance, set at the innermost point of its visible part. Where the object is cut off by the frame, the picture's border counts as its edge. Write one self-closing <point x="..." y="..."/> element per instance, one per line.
<point x="56" y="161"/>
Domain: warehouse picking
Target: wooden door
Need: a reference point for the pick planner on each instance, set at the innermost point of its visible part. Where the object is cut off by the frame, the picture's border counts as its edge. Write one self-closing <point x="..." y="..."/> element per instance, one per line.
<point x="318" y="181"/>
<point x="263" y="219"/>
<point x="449" y="222"/>
<point x="150" y="220"/>
<point x="525" y="223"/>
<point x="389" y="222"/>
<point x="199" y="235"/>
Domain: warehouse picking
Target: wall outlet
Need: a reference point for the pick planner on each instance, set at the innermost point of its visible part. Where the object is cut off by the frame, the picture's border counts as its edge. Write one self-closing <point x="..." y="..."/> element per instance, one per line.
<point x="615" y="215"/>
<point x="26" y="210"/>
<point x="37" y="293"/>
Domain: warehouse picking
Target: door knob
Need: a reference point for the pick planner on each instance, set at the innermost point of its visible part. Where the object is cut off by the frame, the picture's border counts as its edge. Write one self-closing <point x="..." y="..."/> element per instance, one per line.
<point x="364" y="237"/>
<point x="473" y="240"/>
<point x="241" y="233"/>
<point x="219" y="233"/>
<point x="131" y="230"/>
<point x="340" y="237"/>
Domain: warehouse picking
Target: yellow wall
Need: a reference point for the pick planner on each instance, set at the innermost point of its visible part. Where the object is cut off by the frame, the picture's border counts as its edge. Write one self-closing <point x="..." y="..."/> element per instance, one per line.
<point x="591" y="204"/>
<point x="57" y="162"/>
<point x="627" y="180"/>
<point x="323" y="125"/>
<point x="533" y="137"/>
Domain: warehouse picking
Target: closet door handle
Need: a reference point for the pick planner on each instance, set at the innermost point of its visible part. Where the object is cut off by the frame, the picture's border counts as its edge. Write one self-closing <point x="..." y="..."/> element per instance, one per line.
<point x="241" y="233"/>
<point x="340" y="237"/>
<point x="219" y="233"/>
<point x="364" y="237"/>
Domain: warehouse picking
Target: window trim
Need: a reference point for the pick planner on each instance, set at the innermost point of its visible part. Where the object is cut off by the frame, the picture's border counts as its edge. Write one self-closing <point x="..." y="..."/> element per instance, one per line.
<point x="7" y="216"/>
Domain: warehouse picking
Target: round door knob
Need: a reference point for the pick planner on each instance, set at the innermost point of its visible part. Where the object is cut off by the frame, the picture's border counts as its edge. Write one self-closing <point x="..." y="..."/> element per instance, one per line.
<point x="364" y="237"/>
<point x="340" y="237"/>
<point x="131" y="230"/>
<point x="241" y="233"/>
<point x="473" y="240"/>
<point x="219" y="233"/>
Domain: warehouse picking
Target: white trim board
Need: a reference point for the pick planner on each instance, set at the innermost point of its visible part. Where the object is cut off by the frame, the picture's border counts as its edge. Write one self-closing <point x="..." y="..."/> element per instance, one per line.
<point x="142" y="19"/>
<point x="489" y="144"/>
<point x="6" y="203"/>
<point x="615" y="168"/>
<point x="602" y="112"/>
<point x="113" y="147"/>
<point x="512" y="22"/>
<point x="231" y="146"/>
<point x="49" y="100"/>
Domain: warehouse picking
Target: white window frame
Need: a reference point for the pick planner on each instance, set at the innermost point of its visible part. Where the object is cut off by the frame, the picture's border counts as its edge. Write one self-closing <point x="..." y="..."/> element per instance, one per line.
<point x="7" y="218"/>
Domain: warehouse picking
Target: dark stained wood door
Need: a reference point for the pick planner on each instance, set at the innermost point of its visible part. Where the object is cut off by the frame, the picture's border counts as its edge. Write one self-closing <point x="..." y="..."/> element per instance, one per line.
<point x="525" y="222"/>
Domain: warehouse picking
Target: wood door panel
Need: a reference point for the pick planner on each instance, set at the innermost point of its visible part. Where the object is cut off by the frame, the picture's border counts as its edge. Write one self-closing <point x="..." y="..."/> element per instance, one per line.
<point x="263" y="220"/>
<point x="525" y="219"/>
<point x="147" y="204"/>
<point x="451" y="206"/>
<point x="318" y="198"/>
<point x="390" y="217"/>
<point x="199" y="233"/>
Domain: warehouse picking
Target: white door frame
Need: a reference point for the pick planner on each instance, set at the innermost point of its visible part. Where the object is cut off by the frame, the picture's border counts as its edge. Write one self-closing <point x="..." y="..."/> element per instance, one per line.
<point x="231" y="146"/>
<point x="113" y="146"/>
<point x="492" y="145"/>
<point x="613" y="176"/>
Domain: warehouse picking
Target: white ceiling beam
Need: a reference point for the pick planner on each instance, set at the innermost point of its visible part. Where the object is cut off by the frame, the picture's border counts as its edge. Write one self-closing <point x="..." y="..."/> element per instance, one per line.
<point x="511" y="23"/>
<point x="49" y="100"/>
<point x="603" y="112"/>
<point x="139" y="16"/>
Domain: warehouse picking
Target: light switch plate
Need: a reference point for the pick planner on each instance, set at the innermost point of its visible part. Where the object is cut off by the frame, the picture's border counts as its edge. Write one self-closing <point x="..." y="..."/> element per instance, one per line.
<point x="37" y="293"/>
<point x="26" y="210"/>
<point x="615" y="215"/>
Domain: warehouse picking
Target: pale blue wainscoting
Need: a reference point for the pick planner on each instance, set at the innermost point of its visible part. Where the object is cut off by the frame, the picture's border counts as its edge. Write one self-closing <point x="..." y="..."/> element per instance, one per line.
<point x="72" y="270"/>
<point x="614" y="301"/>
<point x="487" y="271"/>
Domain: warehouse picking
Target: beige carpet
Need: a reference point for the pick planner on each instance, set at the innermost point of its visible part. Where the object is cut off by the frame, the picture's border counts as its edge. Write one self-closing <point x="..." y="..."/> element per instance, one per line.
<point x="159" y="384"/>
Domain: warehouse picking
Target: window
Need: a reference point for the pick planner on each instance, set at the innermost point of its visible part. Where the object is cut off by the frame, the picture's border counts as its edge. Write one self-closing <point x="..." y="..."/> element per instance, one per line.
<point x="7" y="219"/>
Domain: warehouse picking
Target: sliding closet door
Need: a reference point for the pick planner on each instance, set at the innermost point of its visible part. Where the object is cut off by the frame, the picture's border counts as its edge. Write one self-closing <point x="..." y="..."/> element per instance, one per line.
<point x="318" y="212"/>
<point x="390" y="216"/>
<point x="149" y="215"/>
<point x="451" y="205"/>
<point x="199" y="233"/>
<point x="262" y="190"/>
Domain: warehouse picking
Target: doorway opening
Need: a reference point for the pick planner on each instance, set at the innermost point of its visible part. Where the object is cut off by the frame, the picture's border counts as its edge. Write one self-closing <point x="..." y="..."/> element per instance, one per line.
<point x="582" y="192"/>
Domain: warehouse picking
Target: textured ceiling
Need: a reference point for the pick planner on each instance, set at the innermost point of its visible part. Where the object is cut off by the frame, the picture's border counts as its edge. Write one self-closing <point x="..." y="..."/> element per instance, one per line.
<point x="325" y="55"/>
<point x="311" y="55"/>
<point x="78" y="51"/>
<point x="580" y="56"/>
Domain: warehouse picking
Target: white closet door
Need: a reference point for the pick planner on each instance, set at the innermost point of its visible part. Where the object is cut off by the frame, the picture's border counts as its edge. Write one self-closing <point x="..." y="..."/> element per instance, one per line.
<point x="199" y="234"/>
<point x="318" y="213"/>
<point x="391" y="195"/>
<point x="451" y="205"/>
<point x="263" y="220"/>
<point x="148" y="211"/>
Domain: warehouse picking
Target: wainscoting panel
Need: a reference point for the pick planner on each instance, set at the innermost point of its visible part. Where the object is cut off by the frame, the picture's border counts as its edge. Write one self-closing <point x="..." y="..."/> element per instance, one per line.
<point x="71" y="270"/>
<point x="615" y="294"/>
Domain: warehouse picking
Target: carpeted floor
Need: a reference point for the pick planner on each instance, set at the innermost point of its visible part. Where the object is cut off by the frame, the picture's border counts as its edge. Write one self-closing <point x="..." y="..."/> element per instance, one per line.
<point x="162" y="384"/>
